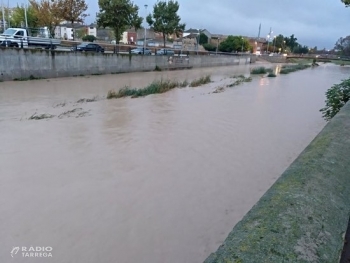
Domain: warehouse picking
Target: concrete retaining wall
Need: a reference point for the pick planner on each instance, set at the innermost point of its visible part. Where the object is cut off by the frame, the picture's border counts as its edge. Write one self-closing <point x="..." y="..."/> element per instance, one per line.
<point x="23" y="63"/>
<point x="274" y="59"/>
<point x="303" y="217"/>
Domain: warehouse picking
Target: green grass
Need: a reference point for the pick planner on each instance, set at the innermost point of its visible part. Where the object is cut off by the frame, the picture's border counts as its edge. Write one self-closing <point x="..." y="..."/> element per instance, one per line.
<point x="286" y="69"/>
<point x="200" y="81"/>
<point x="260" y="70"/>
<point x="155" y="87"/>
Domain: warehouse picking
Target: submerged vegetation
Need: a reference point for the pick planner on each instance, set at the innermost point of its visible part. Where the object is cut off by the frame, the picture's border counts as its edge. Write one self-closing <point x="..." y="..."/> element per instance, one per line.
<point x="31" y="77"/>
<point x="239" y="79"/>
<point x="155" y="87"/>
<point x="286" y="69"/>
<point x="336" y="97"/>
<point x="260" y="70"/>
<point x="200" y="81"/>
<point x="36" y="116"/>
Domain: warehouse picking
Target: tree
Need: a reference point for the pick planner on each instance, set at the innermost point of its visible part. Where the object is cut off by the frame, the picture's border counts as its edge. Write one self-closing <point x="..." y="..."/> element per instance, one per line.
<point x="292" y="42"/>
<point x="346" y="3"/>
<point x="47" y="13"/>
<point x="165" y="19"/>
<point x="73" y="11"/>
<point x="279" y="42"/>
<point x="234" y="43"/>
<point x="118" y="15"/>
<point x="203" y="39"/>
<point x="343" y="45"/>
<point x="209" y="47"/>
<point x="18" y="17"/>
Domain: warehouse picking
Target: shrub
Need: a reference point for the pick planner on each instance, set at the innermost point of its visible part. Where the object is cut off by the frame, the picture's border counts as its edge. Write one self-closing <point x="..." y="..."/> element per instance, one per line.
<point x="271" y="75"/>
<point x="209" y="47"/>
<point x="89" y="38"/>
<point x="336" y="97"/>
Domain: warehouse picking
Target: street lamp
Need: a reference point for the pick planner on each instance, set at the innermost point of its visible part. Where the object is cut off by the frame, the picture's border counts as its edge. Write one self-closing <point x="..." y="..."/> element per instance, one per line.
<point x="268" y="42"/>
<point x="144" y="41"/>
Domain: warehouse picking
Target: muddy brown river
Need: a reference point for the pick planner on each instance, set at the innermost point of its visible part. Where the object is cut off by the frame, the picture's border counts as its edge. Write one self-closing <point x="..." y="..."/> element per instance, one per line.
<point x="160" y="179"/>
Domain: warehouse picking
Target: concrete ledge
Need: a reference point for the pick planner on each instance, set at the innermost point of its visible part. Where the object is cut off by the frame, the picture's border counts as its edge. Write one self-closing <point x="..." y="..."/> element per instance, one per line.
<point x="303" y="217"/>
<point x="24" y="63"/>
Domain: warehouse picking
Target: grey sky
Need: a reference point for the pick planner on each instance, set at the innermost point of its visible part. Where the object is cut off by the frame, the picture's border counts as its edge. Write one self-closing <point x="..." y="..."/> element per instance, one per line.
<point x="313" y="22"/>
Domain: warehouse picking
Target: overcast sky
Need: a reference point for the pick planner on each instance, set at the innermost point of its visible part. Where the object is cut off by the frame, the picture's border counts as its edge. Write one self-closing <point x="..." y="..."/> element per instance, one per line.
<point x="313" y="22"/>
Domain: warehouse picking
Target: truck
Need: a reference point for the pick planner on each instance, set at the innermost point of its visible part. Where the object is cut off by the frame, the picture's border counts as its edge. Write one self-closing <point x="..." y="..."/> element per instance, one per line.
<point x="25" y="38"/>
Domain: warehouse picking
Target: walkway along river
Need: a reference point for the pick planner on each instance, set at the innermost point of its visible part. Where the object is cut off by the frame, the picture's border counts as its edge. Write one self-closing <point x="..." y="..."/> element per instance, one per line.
<point x="157" y="179"/>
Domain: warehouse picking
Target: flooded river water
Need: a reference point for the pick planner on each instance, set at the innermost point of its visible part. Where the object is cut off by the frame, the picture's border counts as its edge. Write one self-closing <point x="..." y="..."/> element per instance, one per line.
<point x="160" y="179"/>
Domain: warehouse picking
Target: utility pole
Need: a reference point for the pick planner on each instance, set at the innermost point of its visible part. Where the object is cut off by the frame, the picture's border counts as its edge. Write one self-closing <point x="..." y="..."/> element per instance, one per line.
<point x="144" y="41"/>
<point x="25" y="15"/>
<point x="3" y="15"/>
<point x="8" y="14"/>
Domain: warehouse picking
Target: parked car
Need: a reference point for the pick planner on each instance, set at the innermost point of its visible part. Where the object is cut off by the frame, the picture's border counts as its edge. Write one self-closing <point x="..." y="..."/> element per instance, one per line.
<point x="87" y="46"/>
<point x="139" y="50"/>
<point x="164" y="51"/>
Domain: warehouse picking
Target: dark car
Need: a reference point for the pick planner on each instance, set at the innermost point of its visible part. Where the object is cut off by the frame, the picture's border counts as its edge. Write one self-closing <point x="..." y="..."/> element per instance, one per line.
<point x="140" y="51"/>
<point x="164" y="51"/>
<point x="89" y="47"/>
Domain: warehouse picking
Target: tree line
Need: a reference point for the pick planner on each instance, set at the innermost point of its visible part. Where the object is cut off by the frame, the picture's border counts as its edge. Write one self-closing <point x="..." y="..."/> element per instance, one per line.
<point x="119" y="15"/>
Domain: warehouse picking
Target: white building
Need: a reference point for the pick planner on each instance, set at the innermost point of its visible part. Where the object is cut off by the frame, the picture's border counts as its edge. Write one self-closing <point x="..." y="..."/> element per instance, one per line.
<point x="64" y="32"/>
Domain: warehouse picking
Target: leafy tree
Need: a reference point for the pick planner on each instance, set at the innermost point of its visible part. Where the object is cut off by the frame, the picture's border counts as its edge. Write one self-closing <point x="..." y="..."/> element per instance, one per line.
<point x="343" y="45"/>
<point x="234" y="43"/>
<point x="336" y="97"/>
<point x="118" y="15"/>
<point x="301" y="49"/>
<point x="203" y="39"/>
<point x="346" y="3"/>
<point x="209" y="47"/>
<point x="89" y="38"/>
<point x="292" y="42"/>
<point x="165" y="19"/>
<point x="279" y="42"/>
<point x="47" y="13"/>
<point x="73" y="11"/>
<point x="18" y="17"/>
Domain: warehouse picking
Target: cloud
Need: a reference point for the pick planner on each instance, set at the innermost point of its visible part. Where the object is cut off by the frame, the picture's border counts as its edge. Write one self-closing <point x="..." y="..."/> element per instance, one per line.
<point x="313" y="22"/>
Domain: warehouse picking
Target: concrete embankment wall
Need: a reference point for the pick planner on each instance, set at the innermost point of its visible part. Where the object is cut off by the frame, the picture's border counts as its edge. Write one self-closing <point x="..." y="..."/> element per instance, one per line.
<point x="273" y="59"/>
<point x="23" y="63"/>
<point x="303" y="217"/>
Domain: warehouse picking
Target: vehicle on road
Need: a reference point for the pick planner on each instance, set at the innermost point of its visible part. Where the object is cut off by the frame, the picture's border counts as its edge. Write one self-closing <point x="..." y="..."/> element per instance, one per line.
<point x="164" y="51"/>
<point x="88" y="46"/>
<point x="23" y="38"/>
<point x="141" y="50"/>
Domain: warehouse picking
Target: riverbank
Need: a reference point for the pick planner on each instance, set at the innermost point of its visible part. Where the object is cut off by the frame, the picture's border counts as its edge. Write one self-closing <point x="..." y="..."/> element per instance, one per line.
<point x="25" y="64"/>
